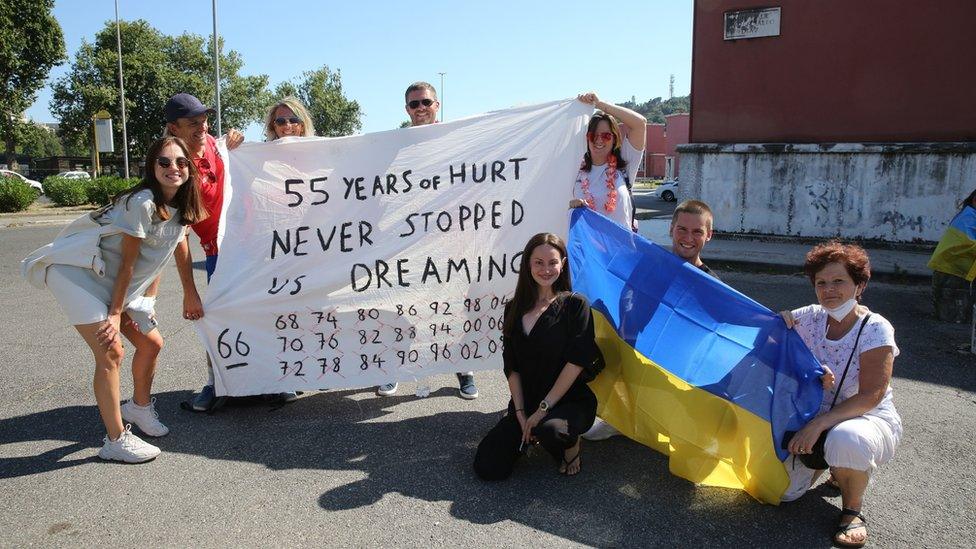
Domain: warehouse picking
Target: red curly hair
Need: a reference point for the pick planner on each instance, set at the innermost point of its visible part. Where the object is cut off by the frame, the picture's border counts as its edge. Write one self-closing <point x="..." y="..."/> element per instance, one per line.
<point x="851" y="256"/>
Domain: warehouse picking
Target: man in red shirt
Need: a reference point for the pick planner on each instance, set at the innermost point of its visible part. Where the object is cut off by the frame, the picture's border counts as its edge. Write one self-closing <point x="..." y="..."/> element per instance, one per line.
<point x="187" y="118"/>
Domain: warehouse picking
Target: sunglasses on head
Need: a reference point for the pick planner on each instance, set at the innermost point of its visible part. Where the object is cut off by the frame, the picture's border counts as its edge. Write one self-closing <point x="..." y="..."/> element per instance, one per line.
<point x="606" y="136"/>
<point x="282" y="120"/>
<point x="164" y="162"/>
<point x="418" y="102"/>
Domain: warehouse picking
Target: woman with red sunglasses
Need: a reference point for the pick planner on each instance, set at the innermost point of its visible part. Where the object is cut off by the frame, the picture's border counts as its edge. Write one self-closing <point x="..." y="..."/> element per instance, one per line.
<point x="99" y="268"/>
<point x="613" y="153"/>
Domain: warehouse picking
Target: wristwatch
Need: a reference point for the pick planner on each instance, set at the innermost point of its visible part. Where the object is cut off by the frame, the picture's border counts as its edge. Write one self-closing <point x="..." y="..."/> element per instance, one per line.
<point x="544" y="405"/>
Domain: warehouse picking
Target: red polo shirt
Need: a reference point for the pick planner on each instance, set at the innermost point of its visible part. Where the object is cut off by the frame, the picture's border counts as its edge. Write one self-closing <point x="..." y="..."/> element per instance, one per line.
<point x="211" y="169"/>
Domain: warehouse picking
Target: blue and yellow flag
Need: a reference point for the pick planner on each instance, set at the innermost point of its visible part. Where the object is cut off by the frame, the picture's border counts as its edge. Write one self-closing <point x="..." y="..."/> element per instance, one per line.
<point x="956" y="252"/>
<point x="695" y="369"/>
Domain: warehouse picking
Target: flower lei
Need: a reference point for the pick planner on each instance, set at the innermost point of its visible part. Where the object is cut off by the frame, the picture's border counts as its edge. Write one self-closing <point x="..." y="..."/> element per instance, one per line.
<point x="611" y="172"/>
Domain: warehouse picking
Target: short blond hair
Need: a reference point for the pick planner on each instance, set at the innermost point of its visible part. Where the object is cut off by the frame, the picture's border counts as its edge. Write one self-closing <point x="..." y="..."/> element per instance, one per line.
<point x="696" y="207"/>
<point x="296" y="107"/>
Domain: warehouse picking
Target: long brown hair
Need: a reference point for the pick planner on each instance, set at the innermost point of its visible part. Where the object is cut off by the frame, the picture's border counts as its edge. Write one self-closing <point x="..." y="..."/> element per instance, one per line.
<point x="526" y="289"/>
<point x="187" y="198"/>
<point x="617" y="137"/>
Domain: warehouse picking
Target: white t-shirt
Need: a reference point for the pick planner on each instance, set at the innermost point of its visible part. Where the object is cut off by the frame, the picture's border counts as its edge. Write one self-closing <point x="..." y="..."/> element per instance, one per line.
<point x="811" y="325"/>
<point x="135" y="216"/>
<point x="597" y="176"/>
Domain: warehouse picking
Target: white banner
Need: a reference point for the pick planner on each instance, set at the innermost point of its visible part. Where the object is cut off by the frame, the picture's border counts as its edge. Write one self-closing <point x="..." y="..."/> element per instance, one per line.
<point x="362" y="260"/>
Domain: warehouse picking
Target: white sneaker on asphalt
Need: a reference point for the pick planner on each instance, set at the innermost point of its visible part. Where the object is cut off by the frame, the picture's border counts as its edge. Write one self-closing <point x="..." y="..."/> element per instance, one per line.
<point x="145" y="418"/>
<point x="128" y="448"/>
<point x="389" y="389"/>
<point x="601" y="430"/>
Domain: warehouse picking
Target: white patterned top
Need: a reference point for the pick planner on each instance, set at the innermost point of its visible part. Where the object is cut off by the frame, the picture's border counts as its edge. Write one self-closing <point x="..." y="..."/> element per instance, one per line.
<point x="811" y="325"/>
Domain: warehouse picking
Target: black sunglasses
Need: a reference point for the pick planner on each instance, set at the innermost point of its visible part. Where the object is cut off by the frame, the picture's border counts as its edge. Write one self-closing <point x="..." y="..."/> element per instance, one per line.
<point x="282" y="120"/>
<point x="418" y="102"/>
<point x="181" y="162"/>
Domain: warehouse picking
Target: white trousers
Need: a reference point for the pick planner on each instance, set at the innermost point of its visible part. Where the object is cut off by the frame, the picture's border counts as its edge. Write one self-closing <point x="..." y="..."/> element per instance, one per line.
<point x="862" y="443"/>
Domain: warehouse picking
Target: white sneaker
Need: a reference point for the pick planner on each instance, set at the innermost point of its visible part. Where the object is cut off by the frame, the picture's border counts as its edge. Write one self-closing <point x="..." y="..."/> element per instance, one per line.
<point x="389" y="389"/>
<point x="145" y="418"/>
<point x="128" y="448"/>
<point x="601" y="430"/>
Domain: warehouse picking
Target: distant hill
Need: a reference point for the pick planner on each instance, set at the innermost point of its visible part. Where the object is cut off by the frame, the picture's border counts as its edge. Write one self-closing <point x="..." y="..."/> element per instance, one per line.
<point x="655" y="109"/>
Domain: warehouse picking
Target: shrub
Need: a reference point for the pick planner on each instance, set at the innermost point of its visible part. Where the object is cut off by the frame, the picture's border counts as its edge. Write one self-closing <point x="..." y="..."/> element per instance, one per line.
<point x="15" y="195"/>
<point x="66" y="192"/>
<point x="104" y="188"/>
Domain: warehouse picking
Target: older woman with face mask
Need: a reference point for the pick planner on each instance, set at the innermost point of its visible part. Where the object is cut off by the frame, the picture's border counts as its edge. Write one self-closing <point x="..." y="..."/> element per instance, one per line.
<point x="857" y="428"/>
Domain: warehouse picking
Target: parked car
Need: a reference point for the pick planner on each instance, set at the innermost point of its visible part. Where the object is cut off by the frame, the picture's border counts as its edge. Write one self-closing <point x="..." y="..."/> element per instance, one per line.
<point x="667" y="191"/>
<point x="74" y="175"/>
<point x="31" y="182"/>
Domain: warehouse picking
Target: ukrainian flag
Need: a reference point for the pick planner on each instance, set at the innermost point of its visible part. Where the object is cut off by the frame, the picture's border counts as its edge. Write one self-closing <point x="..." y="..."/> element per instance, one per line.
<point x="956" y="252"/>
<point x="695" y="369"/>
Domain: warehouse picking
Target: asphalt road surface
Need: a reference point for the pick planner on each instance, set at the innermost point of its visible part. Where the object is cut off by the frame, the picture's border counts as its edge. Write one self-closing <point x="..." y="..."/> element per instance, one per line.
<point x="345" y="468"/>
<point x="650" y="207"/>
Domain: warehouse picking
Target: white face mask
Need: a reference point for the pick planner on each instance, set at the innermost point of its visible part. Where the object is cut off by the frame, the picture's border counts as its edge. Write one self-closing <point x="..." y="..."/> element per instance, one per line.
<point x="841" y="312"/>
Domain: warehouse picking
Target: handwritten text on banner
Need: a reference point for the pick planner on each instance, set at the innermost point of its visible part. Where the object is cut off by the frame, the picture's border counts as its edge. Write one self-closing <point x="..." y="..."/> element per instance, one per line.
<point x="361" y="260"/>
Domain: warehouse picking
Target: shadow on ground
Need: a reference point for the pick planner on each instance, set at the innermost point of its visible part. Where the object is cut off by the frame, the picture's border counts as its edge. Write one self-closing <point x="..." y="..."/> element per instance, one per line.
<point x="623" y="497"/>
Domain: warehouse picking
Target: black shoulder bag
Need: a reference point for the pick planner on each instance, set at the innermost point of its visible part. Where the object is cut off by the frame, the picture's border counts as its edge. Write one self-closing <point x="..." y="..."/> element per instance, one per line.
<point x="815" y="459"/>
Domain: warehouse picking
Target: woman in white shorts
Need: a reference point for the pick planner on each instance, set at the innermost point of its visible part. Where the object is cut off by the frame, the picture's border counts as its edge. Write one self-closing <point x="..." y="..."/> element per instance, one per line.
<point x="98" y="269"/>
<point x="857" y="415"/>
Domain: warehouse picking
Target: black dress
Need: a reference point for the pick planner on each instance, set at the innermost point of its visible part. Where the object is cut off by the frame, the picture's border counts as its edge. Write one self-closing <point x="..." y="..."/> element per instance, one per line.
<point x="562" y="334"/>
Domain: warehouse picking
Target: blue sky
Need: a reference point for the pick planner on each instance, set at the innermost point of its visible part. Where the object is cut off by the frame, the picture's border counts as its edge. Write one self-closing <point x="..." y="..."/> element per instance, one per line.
<point x="495" y="54"/>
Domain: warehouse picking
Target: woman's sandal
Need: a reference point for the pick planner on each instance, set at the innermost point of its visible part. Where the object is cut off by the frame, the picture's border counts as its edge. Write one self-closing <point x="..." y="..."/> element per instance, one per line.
<point x="844" y="528"/>
<point x="566" y="464"/>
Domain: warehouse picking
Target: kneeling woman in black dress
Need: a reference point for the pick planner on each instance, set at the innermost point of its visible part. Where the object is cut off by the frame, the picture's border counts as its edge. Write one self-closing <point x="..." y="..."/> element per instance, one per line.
<point x="549" y="354"/>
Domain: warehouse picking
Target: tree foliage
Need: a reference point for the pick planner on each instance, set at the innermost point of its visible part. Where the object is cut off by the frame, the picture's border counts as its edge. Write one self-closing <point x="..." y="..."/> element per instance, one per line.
<point x="31" y="43"/>
<point x="38" y="141"/>
<point x="655" y="109"/>
<point x="321" y="91"/>
<point x="155" y="66"/>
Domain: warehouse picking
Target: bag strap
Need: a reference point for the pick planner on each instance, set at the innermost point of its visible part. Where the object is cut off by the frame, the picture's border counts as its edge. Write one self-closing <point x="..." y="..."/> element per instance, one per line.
<point x="850" y="359"/>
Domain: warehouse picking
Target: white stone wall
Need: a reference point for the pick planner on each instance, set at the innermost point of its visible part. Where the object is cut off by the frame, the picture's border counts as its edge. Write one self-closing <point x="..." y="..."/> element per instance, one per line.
<point x="896" y="192"/>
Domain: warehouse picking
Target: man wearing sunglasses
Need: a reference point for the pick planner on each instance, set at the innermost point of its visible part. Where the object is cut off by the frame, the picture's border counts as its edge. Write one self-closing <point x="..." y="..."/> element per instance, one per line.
<point x="188" y="118"/>
<point x="422" y="106"/>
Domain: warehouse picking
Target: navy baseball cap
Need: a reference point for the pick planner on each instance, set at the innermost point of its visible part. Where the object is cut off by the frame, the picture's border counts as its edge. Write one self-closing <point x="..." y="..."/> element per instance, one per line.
<point x="184" y="105"/>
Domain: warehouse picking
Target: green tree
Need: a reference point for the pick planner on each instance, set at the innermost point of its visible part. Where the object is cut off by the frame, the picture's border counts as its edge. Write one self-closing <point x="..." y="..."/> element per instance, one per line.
<point x="321" y="91"/>
<point x="655" y="109"/>
<point x="155" y="66"/>
<point x="38" y="141"/>
<point x="31" y="43"/>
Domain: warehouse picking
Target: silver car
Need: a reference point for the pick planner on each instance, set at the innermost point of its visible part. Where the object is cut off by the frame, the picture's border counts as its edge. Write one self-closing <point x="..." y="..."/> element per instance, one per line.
<point x="74" y="175"/>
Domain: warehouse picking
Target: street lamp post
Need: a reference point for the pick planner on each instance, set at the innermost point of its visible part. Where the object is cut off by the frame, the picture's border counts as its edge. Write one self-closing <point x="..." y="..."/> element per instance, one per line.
<point x="216" y="54"/>
<point x="125" y="136"/>
<point x="442" y="94"/>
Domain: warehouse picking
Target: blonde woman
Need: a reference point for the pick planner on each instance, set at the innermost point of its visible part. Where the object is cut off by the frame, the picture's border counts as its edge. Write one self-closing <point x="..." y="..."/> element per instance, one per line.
<point x="288" y="118"/>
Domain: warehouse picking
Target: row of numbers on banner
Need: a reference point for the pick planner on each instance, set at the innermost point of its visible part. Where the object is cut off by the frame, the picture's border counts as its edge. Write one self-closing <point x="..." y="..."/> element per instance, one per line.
<point x="318" y="343"/>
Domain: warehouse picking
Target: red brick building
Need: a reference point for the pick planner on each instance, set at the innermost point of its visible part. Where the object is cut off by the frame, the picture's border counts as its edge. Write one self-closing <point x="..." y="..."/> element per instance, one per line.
<point x="662" y="146"/>
<point x="832" y="118"/>
<point x="838" y="71"/>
